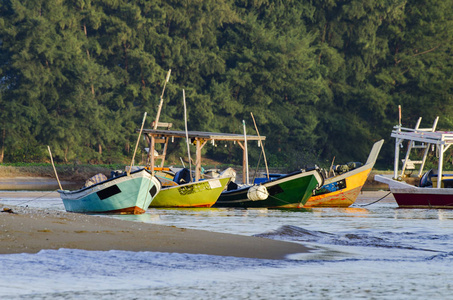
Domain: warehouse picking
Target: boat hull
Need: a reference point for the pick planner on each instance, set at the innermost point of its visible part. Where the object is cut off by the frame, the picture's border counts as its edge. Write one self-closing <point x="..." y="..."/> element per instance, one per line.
<point x="410" y="196"/>
<point x="424" y="200"/>
<point x="289" y="191"/>
<point x="120" y="195"/>
<point x="340" y="191"/>
<point x="195" y="194"/>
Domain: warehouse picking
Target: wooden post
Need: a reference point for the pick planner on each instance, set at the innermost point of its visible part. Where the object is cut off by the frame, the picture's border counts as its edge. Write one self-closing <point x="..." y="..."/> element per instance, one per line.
<point x="152" y="145"/>
<point x="439" y="167"/>
<point x="200" y="144"/>
<point x="164" y="153"/>
<point x="198" y="160"/>
<point x="397" y="158"/>
<point x="243" y="161"/>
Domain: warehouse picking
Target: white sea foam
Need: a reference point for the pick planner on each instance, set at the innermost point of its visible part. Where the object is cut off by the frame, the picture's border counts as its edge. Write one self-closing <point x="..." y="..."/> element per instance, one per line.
<point x="80" y="274"/>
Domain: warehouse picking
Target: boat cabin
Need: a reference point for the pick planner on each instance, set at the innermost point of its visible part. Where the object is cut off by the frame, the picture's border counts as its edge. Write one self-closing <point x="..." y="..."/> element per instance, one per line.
<point x="423" y="138"/>
<point x="199" y="138"/>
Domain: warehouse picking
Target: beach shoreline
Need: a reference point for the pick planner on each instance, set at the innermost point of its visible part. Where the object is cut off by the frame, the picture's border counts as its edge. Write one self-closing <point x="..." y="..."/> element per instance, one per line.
<point x="30" y="230"/>
<point x="27" y="229"/>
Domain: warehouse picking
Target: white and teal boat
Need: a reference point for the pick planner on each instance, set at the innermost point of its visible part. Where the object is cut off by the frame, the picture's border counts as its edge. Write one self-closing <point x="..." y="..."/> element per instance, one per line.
<point x="124" y="194"/>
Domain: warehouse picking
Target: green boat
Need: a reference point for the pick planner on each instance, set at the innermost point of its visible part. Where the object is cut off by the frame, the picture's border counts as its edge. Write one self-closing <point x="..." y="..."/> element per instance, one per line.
<point x="203" y="193"/>
<point x="289" y="191"/>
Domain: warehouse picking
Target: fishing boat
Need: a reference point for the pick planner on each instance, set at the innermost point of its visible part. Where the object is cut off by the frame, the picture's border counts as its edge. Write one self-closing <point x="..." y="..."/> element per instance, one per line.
<point x="343" y="188"/>
<point x="288" y="191"/>
<point x="435" y="189"/>
<point x="184" y="193"/>
<point x="128" y="193"/>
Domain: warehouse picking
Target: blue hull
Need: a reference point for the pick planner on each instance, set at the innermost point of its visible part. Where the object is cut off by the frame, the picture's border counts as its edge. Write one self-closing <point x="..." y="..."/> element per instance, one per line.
<point x="123" y="194"/>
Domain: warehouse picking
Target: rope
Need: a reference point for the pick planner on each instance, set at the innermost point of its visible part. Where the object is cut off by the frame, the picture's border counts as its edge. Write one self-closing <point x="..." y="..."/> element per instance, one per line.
<point x="375" y="201"/>
<point x="281" y="200"/>
<point x="273" y="197"/>
<point x="18" y="204"/>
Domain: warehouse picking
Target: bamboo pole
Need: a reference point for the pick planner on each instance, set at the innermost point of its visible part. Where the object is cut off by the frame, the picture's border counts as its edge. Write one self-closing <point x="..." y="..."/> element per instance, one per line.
<point x="136" y="145"/>
<point x="55" y="170"/>
<point x="161" y="101"/>
<point x="150" y="158"/>
<point x="262" y="146"/>
<point x="187" y="133"/>
<point x="331" y="167"/>
<point x="246" y="155"/>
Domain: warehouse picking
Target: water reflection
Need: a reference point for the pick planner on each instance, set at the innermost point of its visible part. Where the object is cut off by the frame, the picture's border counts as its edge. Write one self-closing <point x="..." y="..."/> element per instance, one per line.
<point x="347" y="210"/>
<point x="36" y="184"/>
<point x="419" y="213"/>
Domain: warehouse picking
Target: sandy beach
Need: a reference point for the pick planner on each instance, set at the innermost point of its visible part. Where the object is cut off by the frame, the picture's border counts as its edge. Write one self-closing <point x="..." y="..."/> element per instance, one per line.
<point x="29" y="230"/>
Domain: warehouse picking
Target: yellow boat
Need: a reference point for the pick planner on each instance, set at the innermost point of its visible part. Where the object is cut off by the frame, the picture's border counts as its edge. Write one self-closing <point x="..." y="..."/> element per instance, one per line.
<point x="203" y="193"/>
<point x="342" y="190"/>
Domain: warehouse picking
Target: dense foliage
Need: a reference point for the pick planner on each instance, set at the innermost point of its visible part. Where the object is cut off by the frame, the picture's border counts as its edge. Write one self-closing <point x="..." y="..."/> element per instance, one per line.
<point x="322" y="78"/>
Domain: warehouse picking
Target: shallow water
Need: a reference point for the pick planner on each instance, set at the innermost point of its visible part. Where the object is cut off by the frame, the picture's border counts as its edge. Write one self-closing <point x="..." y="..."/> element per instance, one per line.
<point x="372" y="252"/>
<point x="36" y="184"/>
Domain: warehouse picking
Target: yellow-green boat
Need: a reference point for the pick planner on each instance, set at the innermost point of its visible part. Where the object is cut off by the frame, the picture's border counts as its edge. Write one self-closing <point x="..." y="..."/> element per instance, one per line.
<point x="203" y="193"/>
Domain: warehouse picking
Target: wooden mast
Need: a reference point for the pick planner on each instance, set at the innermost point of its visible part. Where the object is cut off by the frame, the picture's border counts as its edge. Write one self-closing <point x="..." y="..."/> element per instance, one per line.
<point x="187" y="133"/>
<point x="152" y="144"/>
<point x="262" y="146"/>
<point x="246" y="156"/>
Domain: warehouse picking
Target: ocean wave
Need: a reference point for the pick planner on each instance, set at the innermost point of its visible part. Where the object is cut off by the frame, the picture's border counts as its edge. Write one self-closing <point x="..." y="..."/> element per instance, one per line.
<point x="442" y="256"/>
<point x="397" y="240"/>
<point x="291" y="232"/>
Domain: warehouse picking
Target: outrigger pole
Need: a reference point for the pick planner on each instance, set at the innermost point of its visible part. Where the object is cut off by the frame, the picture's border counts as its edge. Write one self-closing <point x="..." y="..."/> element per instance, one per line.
<point x="262" y="146"/>
<point x="136" y="145"/>
<point x="55" y="170"/>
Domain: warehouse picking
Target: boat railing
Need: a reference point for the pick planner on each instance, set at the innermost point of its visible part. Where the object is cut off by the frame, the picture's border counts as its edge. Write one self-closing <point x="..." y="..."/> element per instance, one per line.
<point x="427" y="137"/>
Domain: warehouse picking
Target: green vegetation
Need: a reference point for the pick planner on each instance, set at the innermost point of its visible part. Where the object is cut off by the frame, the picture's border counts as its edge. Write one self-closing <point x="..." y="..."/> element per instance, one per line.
<point x="323" y="78"/>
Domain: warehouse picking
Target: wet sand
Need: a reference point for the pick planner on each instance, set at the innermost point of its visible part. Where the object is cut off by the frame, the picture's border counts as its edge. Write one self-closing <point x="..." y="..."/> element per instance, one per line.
<point x="29" y="230"/>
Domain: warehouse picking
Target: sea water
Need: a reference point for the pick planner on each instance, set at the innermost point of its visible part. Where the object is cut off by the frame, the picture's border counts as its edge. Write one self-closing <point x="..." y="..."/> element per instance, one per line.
<point x="362" y="252"/>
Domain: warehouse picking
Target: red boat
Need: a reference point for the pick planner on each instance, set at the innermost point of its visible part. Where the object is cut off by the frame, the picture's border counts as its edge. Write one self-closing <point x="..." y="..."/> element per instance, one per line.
<point x="430" y="192"/>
